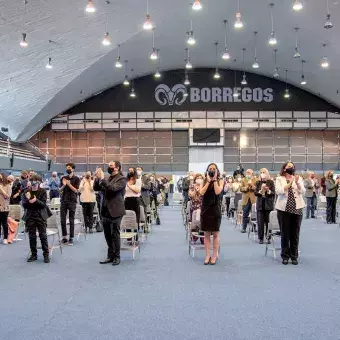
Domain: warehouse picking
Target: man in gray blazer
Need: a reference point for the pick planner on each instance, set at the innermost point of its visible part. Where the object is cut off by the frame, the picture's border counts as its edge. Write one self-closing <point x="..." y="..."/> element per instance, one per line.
<point x="311" y="184"/>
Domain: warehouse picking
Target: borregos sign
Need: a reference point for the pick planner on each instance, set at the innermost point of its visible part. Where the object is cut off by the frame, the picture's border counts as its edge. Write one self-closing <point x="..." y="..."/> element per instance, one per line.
<point x="178" y="94"/>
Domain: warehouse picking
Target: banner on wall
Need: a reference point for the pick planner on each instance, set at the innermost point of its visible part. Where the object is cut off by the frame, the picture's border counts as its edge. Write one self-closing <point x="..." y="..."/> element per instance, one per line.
<point x="204" y="93"/>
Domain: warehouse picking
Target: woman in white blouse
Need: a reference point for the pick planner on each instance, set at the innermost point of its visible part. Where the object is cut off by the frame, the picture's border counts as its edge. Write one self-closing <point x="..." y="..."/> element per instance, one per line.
<point x="88" y="200"/>
<point x="290" y="203"/>
<point x="133" y="192"/>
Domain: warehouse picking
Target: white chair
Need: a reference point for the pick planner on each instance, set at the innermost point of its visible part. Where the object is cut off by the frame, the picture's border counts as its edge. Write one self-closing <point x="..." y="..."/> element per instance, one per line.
<point x="55" y="203"/>
<point x="53" y="230"/>
<point x="129" y="232"/>
<point x="273" y="231"/>
<point x="194" y="234"/>
<point x="79" y="224"/>
<point x="252" y="227"/>
<point x="321" y="207"/>
<point x="239" y="214"/>
<point x="16" y="212"/>
<point x="177" y="199"/>
<point x="143" y="224"/>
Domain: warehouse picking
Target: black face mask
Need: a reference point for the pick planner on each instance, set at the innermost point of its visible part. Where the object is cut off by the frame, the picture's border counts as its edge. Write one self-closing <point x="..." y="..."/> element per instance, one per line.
<point x="110" y="170"/>
<point x="22" y="177"/>
<point x="290" y="171"/>
<point x="211" y="173"/>
<point x="130" y="174"/>
<point x="69" y="171"/>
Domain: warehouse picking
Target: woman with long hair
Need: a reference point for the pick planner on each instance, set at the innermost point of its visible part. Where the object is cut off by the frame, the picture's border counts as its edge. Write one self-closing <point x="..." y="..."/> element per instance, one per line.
<point x="236" y="188"/>
<point x="289" y="204"/>
<point x="196" y="203"/>
<point x="5" y="195"/>
<point x="331" y="196"/>
<point x="211" y="211"/>
<point x="265" y="195"/>
<point x="88" y="200"/>
<point x="229" y="193"/>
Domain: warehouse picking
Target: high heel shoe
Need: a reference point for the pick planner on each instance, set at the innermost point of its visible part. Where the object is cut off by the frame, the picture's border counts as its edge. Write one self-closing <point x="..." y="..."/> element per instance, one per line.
<point x="206" y="263"/>
<point x="213" y="262"/>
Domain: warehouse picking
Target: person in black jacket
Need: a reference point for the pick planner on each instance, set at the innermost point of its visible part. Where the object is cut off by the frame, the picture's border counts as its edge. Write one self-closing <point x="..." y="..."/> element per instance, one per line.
<point x="239" y="171"/>
<point x="265" y="193"/>
<point x="16" y="191"/>
<point x="36" y="215"/>
<point x="113" y="208"/>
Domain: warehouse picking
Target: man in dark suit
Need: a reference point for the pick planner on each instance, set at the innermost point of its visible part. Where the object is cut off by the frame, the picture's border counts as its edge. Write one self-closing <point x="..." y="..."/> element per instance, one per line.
<point x="113" y="208"/>
<point x="35" y="217"/>
<point x="146" y="186"/>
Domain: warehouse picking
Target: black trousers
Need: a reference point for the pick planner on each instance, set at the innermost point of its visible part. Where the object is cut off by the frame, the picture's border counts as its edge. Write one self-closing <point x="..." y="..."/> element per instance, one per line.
<point x="331" y="209"/>
<point x="4" y="223"/>
<point x="133" y="203"/>
<point x="112" y="236"/>
<point x="227" y="202"/>
<point x="34" y="224"/>
<point x="88" y="208"/>
<point x="69" y="207"/>
<point x="262" y="223"/>
<point x="54" y="194"/>
<point x="290" y="233"/>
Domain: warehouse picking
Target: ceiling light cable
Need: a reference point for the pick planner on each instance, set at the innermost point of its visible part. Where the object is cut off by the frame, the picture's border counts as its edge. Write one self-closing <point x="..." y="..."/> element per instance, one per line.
<point x="238" y="22"/>
<point x="244" y="79"/>
<point x="272" y="37"/>
<point x="226" y="54"/>
<point x="297" y="51"/>
<point x="328" y="23"/>
<point x="147" y="24"/>
<point x="276" y="70"/>
<point x="256" y="63"/>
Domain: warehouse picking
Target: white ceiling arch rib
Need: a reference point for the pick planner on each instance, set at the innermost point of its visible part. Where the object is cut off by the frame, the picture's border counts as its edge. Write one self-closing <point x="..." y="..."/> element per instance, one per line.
<point x="30" y="95"/>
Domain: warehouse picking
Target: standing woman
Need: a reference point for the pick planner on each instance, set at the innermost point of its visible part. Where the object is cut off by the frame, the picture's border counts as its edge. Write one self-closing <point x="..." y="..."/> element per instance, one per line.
<point x="88" y="200"/>
<point x="265" y="195"/>
<point x="5" y="195"/>
<point x="229" y="193"/>
<point x="211" y="211"/>
<point x="331" y="196"/>
<point x="290" y="203"/>
<point x="237" y="190"/>
<point x="132" y="193"/>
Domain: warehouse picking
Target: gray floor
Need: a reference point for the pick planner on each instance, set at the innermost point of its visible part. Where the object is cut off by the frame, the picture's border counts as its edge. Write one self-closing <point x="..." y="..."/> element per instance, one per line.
<point x="164" y="294"/>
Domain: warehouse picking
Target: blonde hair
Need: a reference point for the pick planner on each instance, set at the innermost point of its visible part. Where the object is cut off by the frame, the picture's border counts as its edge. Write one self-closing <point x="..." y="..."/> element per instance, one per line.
<point x="265" y="170"/>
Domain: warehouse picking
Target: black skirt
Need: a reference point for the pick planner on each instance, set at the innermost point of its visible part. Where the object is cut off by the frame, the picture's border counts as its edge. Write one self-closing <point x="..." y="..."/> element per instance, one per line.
<point x="211" y="211"/>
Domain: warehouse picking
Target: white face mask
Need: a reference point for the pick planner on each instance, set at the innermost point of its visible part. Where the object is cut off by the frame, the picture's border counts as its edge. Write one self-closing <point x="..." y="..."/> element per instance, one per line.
<point x="230" y="180"/>
<point x="239" y="179"/>
<point x="199" y="181"/>
<point x="263" y="176"/>
<point x="139" y="173"/>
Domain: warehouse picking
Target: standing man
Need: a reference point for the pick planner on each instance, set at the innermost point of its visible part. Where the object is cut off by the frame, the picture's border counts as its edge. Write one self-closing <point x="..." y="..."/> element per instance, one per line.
<point x="239" y="171"/>
<point x="54" y="184"/>
<point x="311" y="184"/>
<point x="248" y="187"/>
<point x="144" y="181"/>
<point x="187" y="181"/>
<point x="69" y="198"/>
<point x="113" y="208"/>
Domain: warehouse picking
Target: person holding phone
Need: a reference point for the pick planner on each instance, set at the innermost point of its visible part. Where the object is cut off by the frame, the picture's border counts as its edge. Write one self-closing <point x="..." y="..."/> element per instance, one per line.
<point x="290" y="203"/>
<point x="88" y="201"/>
<point x="211" y="211"/>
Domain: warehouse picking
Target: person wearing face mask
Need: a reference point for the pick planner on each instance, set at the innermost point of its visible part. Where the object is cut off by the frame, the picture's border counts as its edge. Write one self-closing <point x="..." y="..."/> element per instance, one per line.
<point x="239" y="171"/>
<point x="69" y="186"/>
<point x="229" y="193"/>
<point x="132" y="193"/>
<point x="88" y="201"/>
<point x="113" y="208"/>
<point x="248" y="186"/>
<point x="189" y="179"/>
<point x="54" y="184"/>
<point x="5" y="194"/>
<point x="144" y="181"/>
<point x="154" y="191"/>
<point x="211" y="211"/>
<point x="16" y="192"/>
<point x="236" y="187"/>
<point x="265" y="195"/>
<point x="311" y="185"/>
<point x="331" y="196"/>
<point x="289" y="205"/>
<point x="35" y="218"/>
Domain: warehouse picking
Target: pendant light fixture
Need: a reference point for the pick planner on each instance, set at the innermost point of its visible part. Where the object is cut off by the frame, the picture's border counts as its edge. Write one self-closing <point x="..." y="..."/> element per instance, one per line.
<point x="297" y="51"/>
<point x="238" y="23"/>
<point x="90" y="8"/>
<point x="147" y="24"/>
<point x="216" y="74"/>
<point x="276" y="70"/>
<point x="225" y="55"/>
<point x="191" y="39"/>
<point x="303" y="79"/>
<point x="197" y="6"/>
<point x="49" y="64"/>
<point x="126" y="77"/>
<point x="272" y="37"/>
<point x="286" y="94"/>
<point x="244" y="79"/>
<point x="235" y="94"/>
<point x="328" y="23"/>
<point x="186" y="80"/>
<point x="297" y="6"/>
<point x="188" y="64"/>
<point x="153" y="55"/>
<point x="157" y="74"/>
<point x="324" y="60"/>
<point x="256" y="63"/>
<point x="107" y="39"/>
<point x="23" y="42"/>
<point x="118" y="64"/>
<point x="133" y="92"/>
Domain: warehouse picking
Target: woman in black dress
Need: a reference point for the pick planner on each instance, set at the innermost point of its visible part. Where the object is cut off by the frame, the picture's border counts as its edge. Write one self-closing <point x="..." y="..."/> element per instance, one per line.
<point x="211" y="211"/>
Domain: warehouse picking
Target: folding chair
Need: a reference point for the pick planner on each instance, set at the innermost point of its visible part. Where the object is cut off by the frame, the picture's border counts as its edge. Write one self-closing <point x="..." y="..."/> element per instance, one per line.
<point x="16" y="212"/>
<point x="177" y="199"/>
<point x="239" y="214"/>
<point x="55" y="203"/>
<point x="195" y="235"/>
<point x="96" y="217"/>
<point x="232" y="206"/>
<point x="273" y="231"/>
<point x="143" y="224"/>
<point x="129" y="232"/>
<point x="321" y="207"/>
<point x="79" y="222"/>
<point x="252" y="227"/>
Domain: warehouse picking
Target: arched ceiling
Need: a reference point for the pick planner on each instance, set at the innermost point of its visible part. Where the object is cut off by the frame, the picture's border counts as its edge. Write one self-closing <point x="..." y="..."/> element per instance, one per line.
<point x="30" y="95"/>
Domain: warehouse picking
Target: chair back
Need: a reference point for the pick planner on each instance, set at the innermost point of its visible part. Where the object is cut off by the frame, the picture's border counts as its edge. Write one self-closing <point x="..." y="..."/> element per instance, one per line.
<point x="253" y="215"/>
<point x="322" y="199"/>
<point x="232" y="203"/>
<point x="273" y="221"/>
<point x="15" y="211"/>
<point x="142" y="214"/>
<point x="196" y="219"/>
<point x="129" y="221"/>
<point x="55" y="203"/>
<point x="52" y="222"/>
<point x="177" y="197"/>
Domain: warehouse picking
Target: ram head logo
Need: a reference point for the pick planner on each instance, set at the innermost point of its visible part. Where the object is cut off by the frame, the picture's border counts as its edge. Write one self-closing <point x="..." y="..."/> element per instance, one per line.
<point x="166" y="96"/>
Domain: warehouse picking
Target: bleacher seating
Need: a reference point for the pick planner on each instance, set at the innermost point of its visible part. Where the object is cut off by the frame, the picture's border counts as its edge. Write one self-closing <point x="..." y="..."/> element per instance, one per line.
<point x="19" y="150"/>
